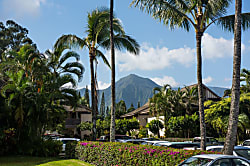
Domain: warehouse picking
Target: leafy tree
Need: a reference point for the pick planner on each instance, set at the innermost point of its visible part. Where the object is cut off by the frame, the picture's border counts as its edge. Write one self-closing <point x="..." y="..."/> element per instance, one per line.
<point x="107" y="112"/>
<point x="126" y="125"/>
<point x="86" y="95"/>
<point x="83" y="101"/>
<point x="154" y="126"/>
<point x="102" y="107"/>
<point x="131" y="108"/>
<point x="227" y="93"/>
<point x="98" y="35"/>
<point x="85" y="126"/>
<point x="138" y="104"/>
<point x="184" y="126"/>
<point x="199" y="14"/>
<point x="120" y="109"/>
<point x="218" y="113"/>
<point x="13" y="37"/>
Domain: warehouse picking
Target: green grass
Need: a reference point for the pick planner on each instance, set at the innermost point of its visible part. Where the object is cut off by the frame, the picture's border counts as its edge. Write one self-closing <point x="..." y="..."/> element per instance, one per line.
<point x="41" y="161"/>
<point x="71" y="162"/>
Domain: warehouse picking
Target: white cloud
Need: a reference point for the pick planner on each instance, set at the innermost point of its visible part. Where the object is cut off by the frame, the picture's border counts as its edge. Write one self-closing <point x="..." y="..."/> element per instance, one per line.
<point x="155" y="58"/>
<point x="158" y="58"/>
<point x="165" y="80"/>
<point x="207" y="80"/>
<point x="217" y="47"/>
<point x="102" y="85"/>
<point x="19" y="8"/>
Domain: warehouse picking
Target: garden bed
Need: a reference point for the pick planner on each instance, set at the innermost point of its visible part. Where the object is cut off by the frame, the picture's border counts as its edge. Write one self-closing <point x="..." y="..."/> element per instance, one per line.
<point x="112" y="154"/>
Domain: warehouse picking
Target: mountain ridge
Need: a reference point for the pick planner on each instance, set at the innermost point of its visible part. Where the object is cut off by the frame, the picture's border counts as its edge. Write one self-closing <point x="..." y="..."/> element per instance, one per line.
<point x="134" y="88"/>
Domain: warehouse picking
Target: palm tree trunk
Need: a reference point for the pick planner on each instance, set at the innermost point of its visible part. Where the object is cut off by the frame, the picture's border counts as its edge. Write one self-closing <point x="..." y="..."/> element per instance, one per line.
<point x="93" y="102"/>
<point x="234" y="109"/>
<point x="200" y="91"/>
<point x="112" y="125"/>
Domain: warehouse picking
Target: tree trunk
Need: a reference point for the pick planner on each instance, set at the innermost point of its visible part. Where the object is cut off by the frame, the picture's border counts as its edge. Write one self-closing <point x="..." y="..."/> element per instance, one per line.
<point x="112" y="125"/>
<point x="234" y="109"/>
<point x="200" y="91"/>
<point x="93" y="102"/>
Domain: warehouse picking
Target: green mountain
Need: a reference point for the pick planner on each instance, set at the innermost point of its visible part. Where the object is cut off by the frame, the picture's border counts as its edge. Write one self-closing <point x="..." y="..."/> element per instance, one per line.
<point x="133" y="88"/>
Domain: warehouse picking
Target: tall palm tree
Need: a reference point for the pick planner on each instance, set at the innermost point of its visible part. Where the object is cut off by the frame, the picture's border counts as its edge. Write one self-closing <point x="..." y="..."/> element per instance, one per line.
<point x="197" y="13"/>
<point x="112" y="124"/>
<point x="98" y="35"/>
<point x="235" y="101"/>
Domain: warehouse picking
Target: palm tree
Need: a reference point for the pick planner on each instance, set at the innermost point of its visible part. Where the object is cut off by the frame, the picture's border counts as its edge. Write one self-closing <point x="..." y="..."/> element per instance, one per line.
<point x="235" y="102"/>
<point x="197" y="13"/>
<point x="245" y="77"/>
<point x="112" y="122"/>
<point x="98" y="35"/>
<point x="161" y="103"/>
<point x="59" y="63"/>
<point x="190" y="97"/>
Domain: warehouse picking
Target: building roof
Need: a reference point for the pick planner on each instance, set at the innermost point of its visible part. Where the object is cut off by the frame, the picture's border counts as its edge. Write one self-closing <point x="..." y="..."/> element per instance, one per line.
<point x="78" y="109"/>
<point x="144" y="110"/>
<point x="204" y="87"/>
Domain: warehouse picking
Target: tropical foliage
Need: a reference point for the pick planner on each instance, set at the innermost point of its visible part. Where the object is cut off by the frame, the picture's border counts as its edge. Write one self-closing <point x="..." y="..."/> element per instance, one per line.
<point x="98" y="36"/>
<point x="175" y="105"/>
<point x="34" y="91"/>
<point x="218" y="113"/>
<point x="98" y="153"/>
<point x="200" y="15"/>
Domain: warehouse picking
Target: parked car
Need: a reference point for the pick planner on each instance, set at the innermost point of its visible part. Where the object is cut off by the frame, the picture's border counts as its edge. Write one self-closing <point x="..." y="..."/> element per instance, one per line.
<point x="151" y="139"/>
<point x="178" y="145"/>
<point x="133" y="141"/>
<point x="152" y="142"/>
<point x="106" y="138"/>
<point x="215" y="160"/>
<point x="209" y="141"/>
<point x="246" y="143"/>
<point x="238" y="150"/>
<point x="65" y="141"/>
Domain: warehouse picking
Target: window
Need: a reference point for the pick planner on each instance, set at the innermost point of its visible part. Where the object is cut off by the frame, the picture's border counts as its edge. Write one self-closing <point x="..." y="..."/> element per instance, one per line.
<point x="222" y="162"/>
<point x="240" y="162"/>
<point x="246" y="143"/>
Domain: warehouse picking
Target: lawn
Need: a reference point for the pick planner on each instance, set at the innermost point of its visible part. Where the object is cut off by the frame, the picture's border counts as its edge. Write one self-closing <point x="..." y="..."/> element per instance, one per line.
<point x="41" y="161"/>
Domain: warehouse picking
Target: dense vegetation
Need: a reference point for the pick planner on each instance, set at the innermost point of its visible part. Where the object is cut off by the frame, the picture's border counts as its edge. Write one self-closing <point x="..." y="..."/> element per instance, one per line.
<point x="128" y="154"/>
<point x="33" y="94"/>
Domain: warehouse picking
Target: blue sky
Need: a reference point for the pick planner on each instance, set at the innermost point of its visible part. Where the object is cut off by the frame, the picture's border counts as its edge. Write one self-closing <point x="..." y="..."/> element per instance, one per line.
<point x="166" y="56"/>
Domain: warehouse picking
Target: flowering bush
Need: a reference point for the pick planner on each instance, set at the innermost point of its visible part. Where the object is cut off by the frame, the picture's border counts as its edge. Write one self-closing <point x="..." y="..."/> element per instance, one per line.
<point x="119" y="154"/>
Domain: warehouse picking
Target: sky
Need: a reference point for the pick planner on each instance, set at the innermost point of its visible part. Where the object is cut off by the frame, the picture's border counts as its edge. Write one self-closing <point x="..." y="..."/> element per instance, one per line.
<point x="166" y="56"/>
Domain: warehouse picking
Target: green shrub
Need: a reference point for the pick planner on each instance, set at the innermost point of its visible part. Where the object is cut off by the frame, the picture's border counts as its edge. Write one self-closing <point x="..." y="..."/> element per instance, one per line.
<point x="70" y="149"/>
<point x="106" y="154"/>
<point x="47" y="148"/>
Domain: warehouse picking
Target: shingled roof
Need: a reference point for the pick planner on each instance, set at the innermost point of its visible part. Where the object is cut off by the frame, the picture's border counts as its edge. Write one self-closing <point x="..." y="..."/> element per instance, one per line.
<point x="143" y="110"/>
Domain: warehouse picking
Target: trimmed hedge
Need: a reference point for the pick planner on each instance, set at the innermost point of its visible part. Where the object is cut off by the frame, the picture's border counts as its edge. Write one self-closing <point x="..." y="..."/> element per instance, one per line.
<point x="123" y="154"/>
<point x="70" y="149"/>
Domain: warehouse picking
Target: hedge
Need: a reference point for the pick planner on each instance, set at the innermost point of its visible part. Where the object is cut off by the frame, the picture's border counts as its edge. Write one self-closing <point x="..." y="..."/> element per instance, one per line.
<point x="123" y="154"/>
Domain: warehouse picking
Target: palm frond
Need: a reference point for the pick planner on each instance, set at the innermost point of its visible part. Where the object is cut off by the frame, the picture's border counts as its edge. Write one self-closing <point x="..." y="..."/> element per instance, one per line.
<point x="227" y="22"/>
<point x="70" y="40"/>
<point x="70" y="54"/>
<point x="101" y="55"/>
